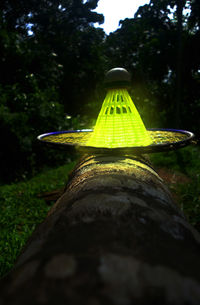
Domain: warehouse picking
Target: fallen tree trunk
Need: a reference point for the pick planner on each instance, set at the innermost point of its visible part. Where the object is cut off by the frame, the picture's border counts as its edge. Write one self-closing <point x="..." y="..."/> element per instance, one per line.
<point x="114" y="237"/>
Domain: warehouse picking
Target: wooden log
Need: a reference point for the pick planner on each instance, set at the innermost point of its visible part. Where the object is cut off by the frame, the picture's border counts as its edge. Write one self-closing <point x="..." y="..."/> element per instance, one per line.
<point x="114" y="237"/>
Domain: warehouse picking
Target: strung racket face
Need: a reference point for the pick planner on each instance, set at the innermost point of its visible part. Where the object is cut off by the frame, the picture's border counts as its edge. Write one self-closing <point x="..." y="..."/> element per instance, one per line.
<point x="162" y="140"/>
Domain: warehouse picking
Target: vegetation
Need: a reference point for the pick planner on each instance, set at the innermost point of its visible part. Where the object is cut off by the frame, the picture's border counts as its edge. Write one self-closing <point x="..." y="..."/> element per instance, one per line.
<point x="22" y="209"/>
<point x="54" y="61"/>
<point x="180" y="171"/>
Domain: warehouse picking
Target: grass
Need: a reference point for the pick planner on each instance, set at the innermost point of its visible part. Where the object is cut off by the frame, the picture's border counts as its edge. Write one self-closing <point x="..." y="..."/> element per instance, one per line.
<point x="21" y="210"/>
<point x="185" y="161"/>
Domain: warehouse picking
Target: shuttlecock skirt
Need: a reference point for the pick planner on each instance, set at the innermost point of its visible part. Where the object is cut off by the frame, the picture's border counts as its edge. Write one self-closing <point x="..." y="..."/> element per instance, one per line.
<point x="119" y="123"/>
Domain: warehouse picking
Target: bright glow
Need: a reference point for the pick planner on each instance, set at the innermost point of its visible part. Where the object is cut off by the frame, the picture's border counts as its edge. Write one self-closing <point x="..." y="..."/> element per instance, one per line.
<point x="116" y="10"/>
<point x="119" y="123"/>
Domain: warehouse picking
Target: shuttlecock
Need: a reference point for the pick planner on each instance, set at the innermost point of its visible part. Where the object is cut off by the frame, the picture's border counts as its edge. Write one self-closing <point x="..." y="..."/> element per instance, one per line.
<point x="119" y="123"/>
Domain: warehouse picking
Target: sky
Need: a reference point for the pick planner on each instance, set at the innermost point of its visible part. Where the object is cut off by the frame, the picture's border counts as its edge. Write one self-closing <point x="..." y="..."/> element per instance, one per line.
<point x="116" y="10"/>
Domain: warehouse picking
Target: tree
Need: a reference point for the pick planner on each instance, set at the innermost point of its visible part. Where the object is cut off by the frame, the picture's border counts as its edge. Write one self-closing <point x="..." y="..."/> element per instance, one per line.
<point x="146" y="48"/>
<point x="66" y="28"/>
<point x="48" y="73"/>
<point x="158" y="45"/>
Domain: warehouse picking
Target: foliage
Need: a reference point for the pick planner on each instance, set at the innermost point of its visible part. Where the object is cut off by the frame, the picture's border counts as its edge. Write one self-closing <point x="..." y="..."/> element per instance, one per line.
<point x="42" y="72"/>
<point x="162" y="51"/>
<point x="65" y="29"/>
<point x="23" y="116"/>
<point x="189" y="201"/>
<point x="21" y="210"/>
<point x="187" y="162"/>
<point x="54" y="61"/>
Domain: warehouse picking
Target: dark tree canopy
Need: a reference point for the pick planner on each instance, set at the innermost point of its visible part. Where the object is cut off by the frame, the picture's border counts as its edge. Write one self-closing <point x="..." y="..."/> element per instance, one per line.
<point x="53" y="61"/>
<point x="47" y="74"/>
<point x="160" y="47"/>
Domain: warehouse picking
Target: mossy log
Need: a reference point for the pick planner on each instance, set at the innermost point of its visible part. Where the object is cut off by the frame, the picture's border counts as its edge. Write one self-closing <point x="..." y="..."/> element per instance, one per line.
<point x="114" y="237"/>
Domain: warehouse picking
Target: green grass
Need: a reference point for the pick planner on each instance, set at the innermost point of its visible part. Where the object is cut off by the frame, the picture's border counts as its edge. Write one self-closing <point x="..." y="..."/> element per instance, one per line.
<point x="186" y="161"/>
<point x="21" y="210"/>
<point x="189" y="201"/>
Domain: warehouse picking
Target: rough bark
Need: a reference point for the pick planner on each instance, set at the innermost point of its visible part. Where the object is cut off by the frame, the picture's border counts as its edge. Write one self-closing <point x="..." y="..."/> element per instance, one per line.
<point x="114" y="237"/>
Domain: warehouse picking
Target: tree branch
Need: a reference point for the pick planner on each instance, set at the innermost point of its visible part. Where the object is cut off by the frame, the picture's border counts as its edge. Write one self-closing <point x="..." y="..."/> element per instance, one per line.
<point x="114" y="237"/>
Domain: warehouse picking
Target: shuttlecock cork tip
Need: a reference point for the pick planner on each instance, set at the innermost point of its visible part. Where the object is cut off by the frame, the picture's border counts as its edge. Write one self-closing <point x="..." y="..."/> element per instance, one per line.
<point x="117" y="77"/>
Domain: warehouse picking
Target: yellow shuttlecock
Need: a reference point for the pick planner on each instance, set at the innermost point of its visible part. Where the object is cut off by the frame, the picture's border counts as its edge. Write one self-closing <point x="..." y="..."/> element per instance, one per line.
<point x="119" y="123"/>
<point x="119" y="127"/>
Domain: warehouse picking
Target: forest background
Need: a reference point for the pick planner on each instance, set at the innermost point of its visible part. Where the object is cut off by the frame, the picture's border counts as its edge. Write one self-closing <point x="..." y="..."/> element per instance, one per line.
<point x="53" y="79"/>
<point x="53" y="61"/>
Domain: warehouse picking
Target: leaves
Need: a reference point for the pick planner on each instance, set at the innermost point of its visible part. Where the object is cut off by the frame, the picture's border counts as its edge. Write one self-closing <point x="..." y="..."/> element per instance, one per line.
<point x="59" y="69"/>
<point x="22" y="210"/>
<point x="47" y="75"/>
